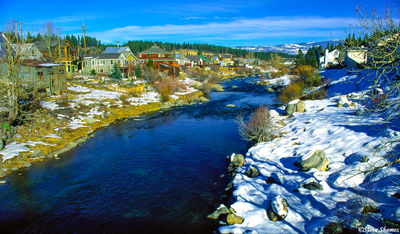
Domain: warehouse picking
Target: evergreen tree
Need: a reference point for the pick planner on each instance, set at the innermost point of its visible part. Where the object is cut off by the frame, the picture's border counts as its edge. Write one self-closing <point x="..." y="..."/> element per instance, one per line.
<point x="116" y="73"/>
<point x="300" y="58"/>
<point x="139" y="72"/>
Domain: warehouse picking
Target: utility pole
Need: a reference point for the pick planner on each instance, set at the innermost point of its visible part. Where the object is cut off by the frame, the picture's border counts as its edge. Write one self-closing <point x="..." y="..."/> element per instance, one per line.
<point x="84" y="36"/>
<point x="20" y="27"/>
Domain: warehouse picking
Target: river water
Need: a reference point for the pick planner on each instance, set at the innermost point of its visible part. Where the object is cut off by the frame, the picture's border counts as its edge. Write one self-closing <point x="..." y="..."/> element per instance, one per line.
<point x="158" y="175"/>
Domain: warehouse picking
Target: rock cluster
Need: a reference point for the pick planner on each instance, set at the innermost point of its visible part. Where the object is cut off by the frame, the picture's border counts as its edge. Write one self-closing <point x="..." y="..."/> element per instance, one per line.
<point x="225" y="216"/>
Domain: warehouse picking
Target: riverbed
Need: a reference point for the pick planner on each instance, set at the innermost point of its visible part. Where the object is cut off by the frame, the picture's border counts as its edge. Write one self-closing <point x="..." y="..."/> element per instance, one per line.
<point x="161" y="173"/>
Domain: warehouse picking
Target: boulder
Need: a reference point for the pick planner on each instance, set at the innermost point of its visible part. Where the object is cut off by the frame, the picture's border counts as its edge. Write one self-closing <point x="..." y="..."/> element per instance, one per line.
<point x="221" y="210"/>
<point x="317" y="160"/>
<point x="234" y="219"/>
<point x="237" y="160"/>
<point x="270" y="90"/>
<point x="312" y="184"/>
<point x="203" y="99"/>
<point x="1" y="144"/>
<point x="295" y="106"/>
<point x="333" y="228"/>
<point x="252" y="172"/>
<point x="278" y="209"/>
<point x="343" y="102"/>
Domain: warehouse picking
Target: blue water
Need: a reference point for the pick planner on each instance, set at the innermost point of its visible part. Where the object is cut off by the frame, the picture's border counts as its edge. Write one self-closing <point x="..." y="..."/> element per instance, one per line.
<point x="159" y="175"/>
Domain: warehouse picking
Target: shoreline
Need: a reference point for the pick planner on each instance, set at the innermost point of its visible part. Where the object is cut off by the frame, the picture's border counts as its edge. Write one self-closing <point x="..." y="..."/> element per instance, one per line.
<point x="52" y="148"/>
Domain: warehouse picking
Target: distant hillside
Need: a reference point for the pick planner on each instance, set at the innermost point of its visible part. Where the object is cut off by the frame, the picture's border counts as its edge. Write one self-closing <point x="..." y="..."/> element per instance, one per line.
<point x="287" y="48"/>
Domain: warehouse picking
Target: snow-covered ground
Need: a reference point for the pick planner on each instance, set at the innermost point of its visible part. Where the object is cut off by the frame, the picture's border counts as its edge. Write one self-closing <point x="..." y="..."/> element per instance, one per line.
<point x="350" y="143"/>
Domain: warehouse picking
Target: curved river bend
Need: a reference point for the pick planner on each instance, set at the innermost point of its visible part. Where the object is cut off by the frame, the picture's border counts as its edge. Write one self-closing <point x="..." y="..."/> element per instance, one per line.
<point x="158" y="175"/>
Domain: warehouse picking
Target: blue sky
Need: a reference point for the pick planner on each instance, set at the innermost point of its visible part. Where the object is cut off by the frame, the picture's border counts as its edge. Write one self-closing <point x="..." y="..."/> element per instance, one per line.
<point x="229" y="23"/>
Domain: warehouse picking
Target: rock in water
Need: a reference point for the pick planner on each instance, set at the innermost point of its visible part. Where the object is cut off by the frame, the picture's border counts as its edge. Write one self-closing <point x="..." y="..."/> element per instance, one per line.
<point x="203" y="99"/>
<point x="317" y="160"/>
<point x="234" y="219"/>
<point x="278" y="209"/>
<point x="252" y="172"/>
<point x="230" y="105"/>
<point x="237" y="160"/>
<point x="221" y="210"/>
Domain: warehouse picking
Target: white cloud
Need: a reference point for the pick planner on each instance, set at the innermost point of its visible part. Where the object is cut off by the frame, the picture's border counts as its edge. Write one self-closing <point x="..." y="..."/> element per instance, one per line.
<point x="194" y="18"/>
<point x="239" y="29"/>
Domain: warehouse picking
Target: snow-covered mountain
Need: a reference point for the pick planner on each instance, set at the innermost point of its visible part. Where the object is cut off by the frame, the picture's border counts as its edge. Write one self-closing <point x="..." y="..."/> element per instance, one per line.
<point x="287" y="48"/>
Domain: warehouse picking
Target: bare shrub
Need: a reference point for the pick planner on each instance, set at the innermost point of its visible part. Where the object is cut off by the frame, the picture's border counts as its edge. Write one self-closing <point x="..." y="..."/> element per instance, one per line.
<point x="259" y="127"/>
<point x="309" y="75"/>
<point x="167" y="86"/>
<point x="124" y="99"/>
<point x="291" y="92"/>
<point x="150" y="74"/>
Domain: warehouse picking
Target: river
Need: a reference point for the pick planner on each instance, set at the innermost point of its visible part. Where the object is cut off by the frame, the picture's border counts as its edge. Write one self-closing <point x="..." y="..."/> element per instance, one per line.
<point x="161" y="174"/>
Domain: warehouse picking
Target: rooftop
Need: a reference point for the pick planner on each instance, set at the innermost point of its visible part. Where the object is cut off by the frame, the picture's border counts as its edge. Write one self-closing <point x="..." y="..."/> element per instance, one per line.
<point x="155" y="50"/>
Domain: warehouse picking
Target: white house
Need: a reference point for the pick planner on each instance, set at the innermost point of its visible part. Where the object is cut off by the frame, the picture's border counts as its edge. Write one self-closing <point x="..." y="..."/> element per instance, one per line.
<point x="356" y="56"/>
<point x="329" y="59"/>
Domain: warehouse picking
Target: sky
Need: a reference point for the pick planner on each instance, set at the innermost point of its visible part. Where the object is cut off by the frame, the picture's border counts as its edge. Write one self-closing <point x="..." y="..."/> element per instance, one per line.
<point x="227" y="23"/>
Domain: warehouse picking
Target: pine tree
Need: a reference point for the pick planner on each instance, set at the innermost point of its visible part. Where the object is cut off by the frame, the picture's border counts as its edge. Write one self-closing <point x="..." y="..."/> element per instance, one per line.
<point x="138" y="72"/>
<point x="300" y="58"/>
<point x="115" y="73"/>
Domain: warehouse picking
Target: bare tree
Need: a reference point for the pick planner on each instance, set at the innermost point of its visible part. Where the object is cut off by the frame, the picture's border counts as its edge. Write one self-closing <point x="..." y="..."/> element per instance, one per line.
<point x="11" y="61"/>
<point x="50" y="38"/>
<point x="382" y="35"/>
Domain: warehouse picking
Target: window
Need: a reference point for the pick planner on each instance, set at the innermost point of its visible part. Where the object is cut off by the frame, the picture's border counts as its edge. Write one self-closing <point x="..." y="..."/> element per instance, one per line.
<point x="111" y="62"/>
<point x="40" y="74"/>
<point x="93" y="62"/>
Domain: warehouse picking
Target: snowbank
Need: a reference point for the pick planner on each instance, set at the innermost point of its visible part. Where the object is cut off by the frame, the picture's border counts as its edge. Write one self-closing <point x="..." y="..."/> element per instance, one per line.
<point x="350" y="142"/>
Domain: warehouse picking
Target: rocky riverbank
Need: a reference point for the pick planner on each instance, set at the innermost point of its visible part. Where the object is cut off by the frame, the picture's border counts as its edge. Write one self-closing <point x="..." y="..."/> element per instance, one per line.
<point x="330" y="171"/>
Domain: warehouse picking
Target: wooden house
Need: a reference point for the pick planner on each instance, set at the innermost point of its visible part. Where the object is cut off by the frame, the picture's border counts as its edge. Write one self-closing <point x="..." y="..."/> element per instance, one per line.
<point x="158" y="55"/>
<point x="68" y="55"/>
<point x="40" y="76"/>
<point x="104" y="63"/>
<point x="30" y="50"/>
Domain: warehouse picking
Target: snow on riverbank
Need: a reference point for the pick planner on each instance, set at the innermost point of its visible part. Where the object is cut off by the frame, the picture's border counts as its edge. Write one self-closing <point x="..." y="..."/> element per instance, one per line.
<point x="350" y="142"/>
